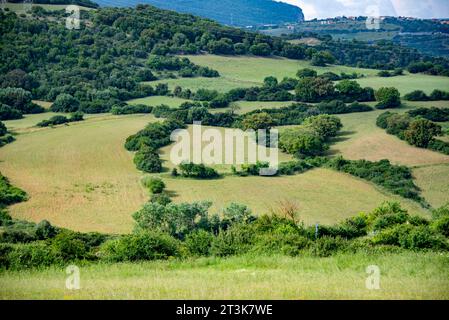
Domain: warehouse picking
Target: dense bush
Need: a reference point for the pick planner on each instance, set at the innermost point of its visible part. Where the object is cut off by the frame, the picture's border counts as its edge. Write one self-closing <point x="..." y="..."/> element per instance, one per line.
<point x="339" y="107"/>
<point x="197" y="171"/>
<point x="302" y="142"/>
<point x="10" y="194"/>
<point x="155" y="185"/>
<point x="397" y="179"/>
<point x="9" y="113"/>
<point x="148" y="245"/>
<point x="199" y="243"/>
<point x="416" y="95"/>
<point x="131" y="109"/>
<point x="3" y="129"/>
<point x="432" y="114"/>
<point x="56" y="120"/>
<point x="388" y="98"/>
<point x="65" y="103"/>
<point x="19" y="99"/>
<point x="147" y="160"/>
<point x="233" y="241"/>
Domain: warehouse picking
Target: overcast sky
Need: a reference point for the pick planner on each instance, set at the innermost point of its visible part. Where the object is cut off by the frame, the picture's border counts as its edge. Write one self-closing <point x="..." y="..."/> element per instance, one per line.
<point x="410" y="8"/>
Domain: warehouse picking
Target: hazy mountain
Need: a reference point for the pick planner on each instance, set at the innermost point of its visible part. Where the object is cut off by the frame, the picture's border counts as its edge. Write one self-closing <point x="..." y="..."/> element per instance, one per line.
<point x="230" y="12"/>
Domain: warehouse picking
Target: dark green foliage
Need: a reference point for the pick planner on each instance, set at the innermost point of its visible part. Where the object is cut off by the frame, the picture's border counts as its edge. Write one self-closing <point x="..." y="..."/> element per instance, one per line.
<point x="19" y="99"/>
<point x="6" y="139"/>
<point x="388" y="98"/>
<point x="418" y="132"/>
<point x="65" y="103"/>
<point x="44" y="230"/>
<point x="314" y="89"/>
<point x="69" y="247"/>
<point x="148" y="245"/>
<point x="155" y="135"/>
<point x="432" y="114"/>
<point x="197" y="171"/>
<point x="3" y="129"/>
<point x="147" y="160"/>
<point x="155" y="185"/>
<point x="10" y="194"/>
<point x="160" y="198"/>
<point x="175" y="219"/>
<point x="199" y="243"/>
<point x="233" y="241"/>
<point x="439" y="95"/>
<point x="25" y="256"/>
<point x="339" y="107"/>
<point x="416" y="95"/>
<point x="439" y="146"/>
<point x="326" y="246"/>
<point x="5" y="218"/>
<point x="306" y="73"/>
<point x="131" y="109"/>
<point x="56" y="120"/>
<point x="397" y="179"/>
<point x="9" y="113"/>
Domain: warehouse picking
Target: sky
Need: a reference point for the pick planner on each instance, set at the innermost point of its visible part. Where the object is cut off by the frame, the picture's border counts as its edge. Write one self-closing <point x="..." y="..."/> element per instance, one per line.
<point x="410" y="8"/>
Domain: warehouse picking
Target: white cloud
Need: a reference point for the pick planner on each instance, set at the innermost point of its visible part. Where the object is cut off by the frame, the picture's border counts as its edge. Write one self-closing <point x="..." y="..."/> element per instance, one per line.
<point x="332" y="8"/>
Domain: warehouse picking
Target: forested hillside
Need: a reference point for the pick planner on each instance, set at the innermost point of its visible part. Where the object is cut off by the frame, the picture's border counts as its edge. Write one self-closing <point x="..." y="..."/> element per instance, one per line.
<point x="229" y="12"/>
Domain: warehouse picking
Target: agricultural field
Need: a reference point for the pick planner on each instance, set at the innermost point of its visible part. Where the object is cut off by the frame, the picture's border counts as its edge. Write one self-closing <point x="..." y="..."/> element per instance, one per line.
<point x="78" y="176"/>
<point x="403" y="276"/>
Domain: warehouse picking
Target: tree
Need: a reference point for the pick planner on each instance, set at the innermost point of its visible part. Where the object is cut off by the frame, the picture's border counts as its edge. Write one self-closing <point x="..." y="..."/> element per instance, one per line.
<point x="314" y="89"/>
<point x="147" y="160"/>
<point x="65" y="103"/>
<point x="270" y="82"/>
<point x="421" y="132"/>
<point x="261" y="49"/>
<point x="349" y="90"/>
<point x="325" y="125"/>
<point x="19" y="99"/>
<point x="256" y="121"/>
<point x="306" y="73"/>
<point x="155" y="185"/>
<point x="321" y="59"/>
<point x="301" y="142"/>
<point x="388" y="98"/>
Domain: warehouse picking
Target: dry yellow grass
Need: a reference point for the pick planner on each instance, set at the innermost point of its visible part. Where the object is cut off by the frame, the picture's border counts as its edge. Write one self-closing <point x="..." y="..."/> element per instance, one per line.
<point x="362" y="139"/>
<point x="78" y="176"/>
<point x="434" y="182"/>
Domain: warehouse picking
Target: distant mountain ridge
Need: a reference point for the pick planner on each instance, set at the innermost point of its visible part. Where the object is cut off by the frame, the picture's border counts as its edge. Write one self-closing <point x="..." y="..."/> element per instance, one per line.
<point x="229" y="12"/>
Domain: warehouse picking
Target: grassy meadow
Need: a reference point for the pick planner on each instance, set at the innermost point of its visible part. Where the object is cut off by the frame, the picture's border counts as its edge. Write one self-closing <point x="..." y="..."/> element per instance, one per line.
<point x="78" y="176"/>
<point x="402" y="276"/>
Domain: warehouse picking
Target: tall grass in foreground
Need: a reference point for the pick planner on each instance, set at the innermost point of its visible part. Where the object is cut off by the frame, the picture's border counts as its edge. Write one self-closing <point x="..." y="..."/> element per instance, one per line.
<point x="405" y="275"/>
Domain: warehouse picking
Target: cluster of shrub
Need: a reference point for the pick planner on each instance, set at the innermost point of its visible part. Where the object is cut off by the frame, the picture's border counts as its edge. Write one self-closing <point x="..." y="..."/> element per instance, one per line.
<point x="417" y="131"/>
<point x="58" y="119"/>
<point x="5" y="138"/>
<point x="394" y="73"/>
<point x="429" y="67"/>
<point x="196" y="171"/>
<point x="184" y="66"/>
<point x="397" y="179"/>
<point x="432" y="114"/>
<point x="131" y="109"/>
<point x="14" y="102"/>
<point x="10" y="194"/>
<point x="311" y="138"/>
<point x="148" y="140"/>
<point x="188" y="230"/>
<point x="419" y="95"/>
